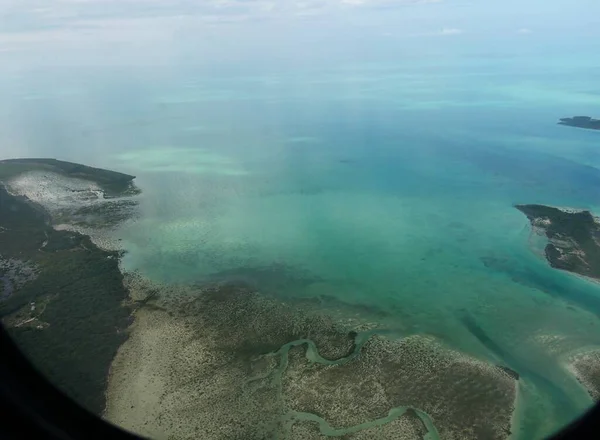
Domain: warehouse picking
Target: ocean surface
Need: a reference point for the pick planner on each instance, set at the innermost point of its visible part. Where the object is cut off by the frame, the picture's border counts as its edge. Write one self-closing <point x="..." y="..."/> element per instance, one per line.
<point x="384" y="185"/>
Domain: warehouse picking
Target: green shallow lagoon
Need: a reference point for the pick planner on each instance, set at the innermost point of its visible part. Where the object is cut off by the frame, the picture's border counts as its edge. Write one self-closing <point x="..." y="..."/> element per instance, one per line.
<point x="416" y="264"/>
<point x="394" y="201"/>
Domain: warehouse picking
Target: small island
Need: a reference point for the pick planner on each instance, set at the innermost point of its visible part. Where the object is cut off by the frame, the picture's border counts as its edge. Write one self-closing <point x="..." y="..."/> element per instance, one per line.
<point x="581" y="122"/>
<point x="573" y="238"/>
<point x="573" y="246"/>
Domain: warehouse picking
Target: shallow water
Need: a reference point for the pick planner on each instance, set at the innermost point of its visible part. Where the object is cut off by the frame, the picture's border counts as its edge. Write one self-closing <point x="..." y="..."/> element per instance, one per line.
<point x="388" y="187"/>
<point x="312" y="354"/>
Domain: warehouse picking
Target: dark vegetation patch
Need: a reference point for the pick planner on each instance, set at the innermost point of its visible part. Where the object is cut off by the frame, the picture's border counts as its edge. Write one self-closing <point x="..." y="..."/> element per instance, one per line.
<point x="511" y="373"/>
<point x="250" y="324"/>
<point x="573" y="238"/>
<point x="581" y="122"/>
<point x="83" y="321"/>
<point x="112" y="182"/>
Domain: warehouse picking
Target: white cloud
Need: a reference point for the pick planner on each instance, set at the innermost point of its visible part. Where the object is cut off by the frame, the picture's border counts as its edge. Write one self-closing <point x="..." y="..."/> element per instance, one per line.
<point x="28" y="13"/>
<point x="388" y="3"/>
<point x="444" y="32"/>
<point x="29" y="21"/>
<point x="524" y="31"/>
<point x="451" y="31"/>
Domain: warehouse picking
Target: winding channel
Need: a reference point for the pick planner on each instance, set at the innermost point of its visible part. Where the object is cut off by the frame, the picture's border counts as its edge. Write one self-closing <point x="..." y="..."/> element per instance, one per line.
<point x="312" y="354"/>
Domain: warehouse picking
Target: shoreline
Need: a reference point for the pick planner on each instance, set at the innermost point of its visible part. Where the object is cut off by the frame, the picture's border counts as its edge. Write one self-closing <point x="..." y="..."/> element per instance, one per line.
<point x="517" y="415"/>
<point x="175" y="343"/>
<point x="571" y="234"/>
<point x="150" y="393"/>
<point x="72" y="275"/>
<point x="588" y="380"/>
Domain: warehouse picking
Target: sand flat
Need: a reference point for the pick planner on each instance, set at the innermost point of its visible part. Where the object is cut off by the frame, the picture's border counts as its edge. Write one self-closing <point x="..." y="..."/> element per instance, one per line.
<point x="229" y="364"/>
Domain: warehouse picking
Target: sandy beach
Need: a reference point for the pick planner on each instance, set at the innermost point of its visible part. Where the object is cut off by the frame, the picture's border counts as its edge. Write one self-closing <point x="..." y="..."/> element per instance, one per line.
<point x="584" y="364"/>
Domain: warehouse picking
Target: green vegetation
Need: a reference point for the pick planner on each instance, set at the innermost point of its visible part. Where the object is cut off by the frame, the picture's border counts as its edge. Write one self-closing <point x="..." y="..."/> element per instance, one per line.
<point x="581" y="122"/>
<point x="73" y="338"/>
<point x="112" y="182"/>
<point x="573" y="238"/>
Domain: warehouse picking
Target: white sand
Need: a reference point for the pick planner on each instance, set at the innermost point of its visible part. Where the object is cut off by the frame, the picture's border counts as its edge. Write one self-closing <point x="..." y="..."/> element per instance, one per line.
<point x="584" y="364"/>
<point x="176" y="377"/>
<point x="169" y="381"/>
<point x="135" y="381"/>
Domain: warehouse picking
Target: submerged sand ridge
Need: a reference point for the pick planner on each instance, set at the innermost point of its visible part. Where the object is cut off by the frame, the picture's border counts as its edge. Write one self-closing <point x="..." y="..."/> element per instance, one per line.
<point x="226" y="362"/>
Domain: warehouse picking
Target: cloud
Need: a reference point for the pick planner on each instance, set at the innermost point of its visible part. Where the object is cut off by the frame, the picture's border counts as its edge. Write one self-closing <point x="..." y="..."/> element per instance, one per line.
<point x="27" y="22"/>
<point x="385" y="3"/>
<point x="444" y="32"/>
<point x="451" y="31"/>
<point x="29" y="14"/>
<point x="524" y="31"/>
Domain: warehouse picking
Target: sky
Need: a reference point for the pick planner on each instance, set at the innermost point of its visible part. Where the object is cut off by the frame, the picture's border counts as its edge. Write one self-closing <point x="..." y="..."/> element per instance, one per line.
<point x="42" y="32"/>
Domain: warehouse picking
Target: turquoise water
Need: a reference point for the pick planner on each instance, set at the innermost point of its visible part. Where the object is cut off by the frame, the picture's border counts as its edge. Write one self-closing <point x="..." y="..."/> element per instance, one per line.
<point x="386" y="186"/>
